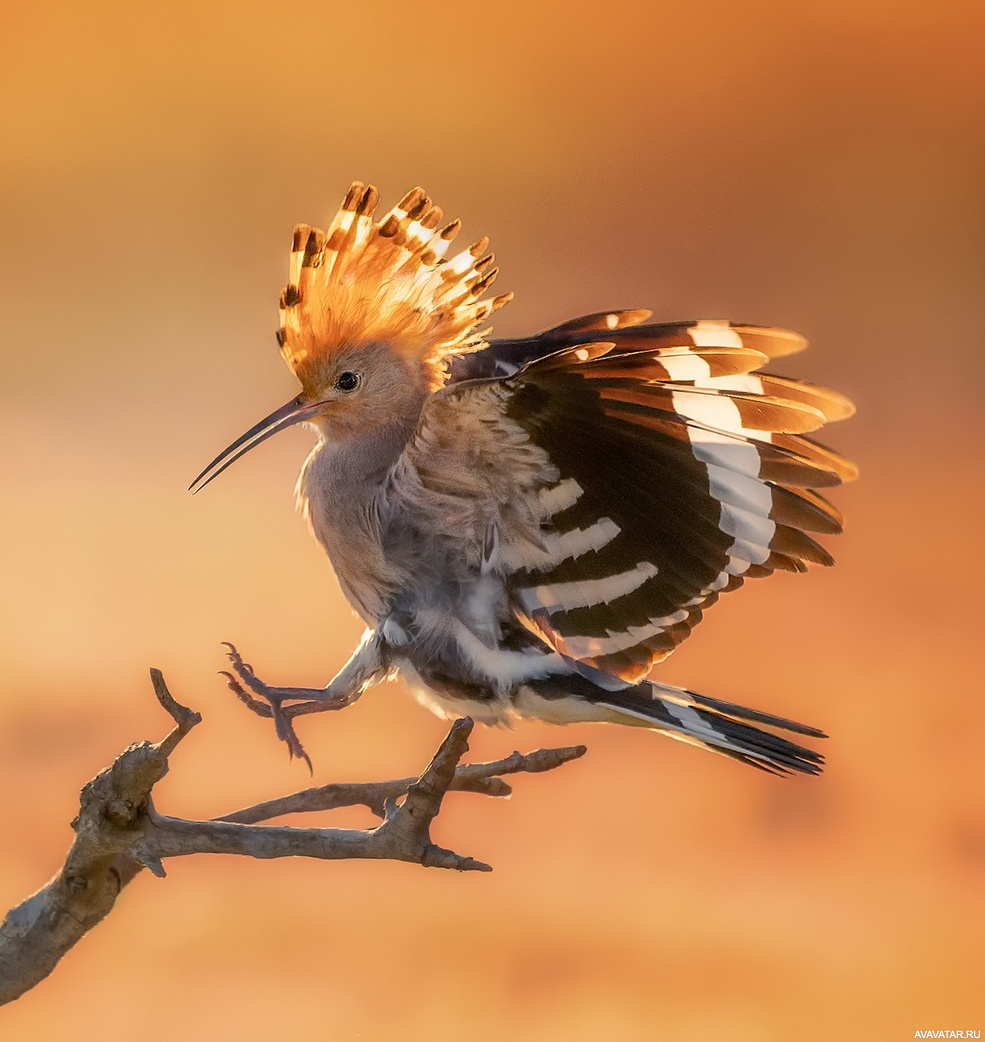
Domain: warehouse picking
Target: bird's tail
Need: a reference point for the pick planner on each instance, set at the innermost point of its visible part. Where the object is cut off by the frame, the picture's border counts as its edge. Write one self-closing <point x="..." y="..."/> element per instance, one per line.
<point x="685" y="715"/>
<point x="718" y="726"/>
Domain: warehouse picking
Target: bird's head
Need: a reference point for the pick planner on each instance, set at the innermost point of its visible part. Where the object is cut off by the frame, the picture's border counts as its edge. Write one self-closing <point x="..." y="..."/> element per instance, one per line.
<point x="369" y="316"/>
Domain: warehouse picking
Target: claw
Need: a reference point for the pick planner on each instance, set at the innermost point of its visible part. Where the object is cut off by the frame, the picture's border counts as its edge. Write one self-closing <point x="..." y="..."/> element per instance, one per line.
<point x="245" y="672"/>
<point x="258" y="707"/>
<point x="271" y="706"/>
<point x="286" y="733"/>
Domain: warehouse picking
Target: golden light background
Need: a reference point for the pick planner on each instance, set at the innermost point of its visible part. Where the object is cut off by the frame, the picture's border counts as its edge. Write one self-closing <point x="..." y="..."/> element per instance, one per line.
<point x="814" y="165"/>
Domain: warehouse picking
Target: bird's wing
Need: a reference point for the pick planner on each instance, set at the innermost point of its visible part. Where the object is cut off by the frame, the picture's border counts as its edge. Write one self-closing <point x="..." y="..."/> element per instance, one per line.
<point x="630" y="488"/>
<point x="623" y="329"/>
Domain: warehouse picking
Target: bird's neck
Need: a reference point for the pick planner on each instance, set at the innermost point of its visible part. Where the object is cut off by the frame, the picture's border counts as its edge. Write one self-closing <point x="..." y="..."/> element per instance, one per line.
<point x="338" y="492"/>
<point x="364" y="460"/>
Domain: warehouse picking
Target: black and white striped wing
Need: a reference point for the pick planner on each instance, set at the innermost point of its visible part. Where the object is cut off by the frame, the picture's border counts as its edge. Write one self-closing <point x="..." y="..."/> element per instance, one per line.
<point x="681" y="473"/>
<point x="623" y="329"/>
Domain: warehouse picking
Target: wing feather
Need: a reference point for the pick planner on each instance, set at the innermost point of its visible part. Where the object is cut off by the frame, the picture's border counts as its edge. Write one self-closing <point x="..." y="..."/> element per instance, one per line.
<point x="661" y="470"/>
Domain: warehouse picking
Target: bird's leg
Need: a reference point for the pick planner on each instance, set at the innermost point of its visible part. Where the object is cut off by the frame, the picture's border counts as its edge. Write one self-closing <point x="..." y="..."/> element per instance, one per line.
<point x="367" y="664"/>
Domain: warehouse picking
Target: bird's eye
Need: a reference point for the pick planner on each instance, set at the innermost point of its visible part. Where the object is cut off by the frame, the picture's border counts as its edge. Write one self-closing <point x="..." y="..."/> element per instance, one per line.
<point x="347" y="381"/>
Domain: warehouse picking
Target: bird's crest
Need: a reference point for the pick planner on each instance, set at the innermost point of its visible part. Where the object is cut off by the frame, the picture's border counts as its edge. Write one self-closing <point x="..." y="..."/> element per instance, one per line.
<point x="362" y="282"/>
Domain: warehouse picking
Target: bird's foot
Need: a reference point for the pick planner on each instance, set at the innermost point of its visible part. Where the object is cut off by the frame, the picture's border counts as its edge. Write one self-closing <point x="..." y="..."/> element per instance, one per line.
<point x="268" y="701"/>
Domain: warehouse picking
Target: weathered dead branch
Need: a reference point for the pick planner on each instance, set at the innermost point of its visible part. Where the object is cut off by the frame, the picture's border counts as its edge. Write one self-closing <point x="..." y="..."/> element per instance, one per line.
<point x="118" y="832"/>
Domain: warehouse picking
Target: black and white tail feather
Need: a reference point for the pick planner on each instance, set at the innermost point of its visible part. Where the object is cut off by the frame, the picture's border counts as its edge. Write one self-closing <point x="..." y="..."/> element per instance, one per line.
<point x="698" y="720"/>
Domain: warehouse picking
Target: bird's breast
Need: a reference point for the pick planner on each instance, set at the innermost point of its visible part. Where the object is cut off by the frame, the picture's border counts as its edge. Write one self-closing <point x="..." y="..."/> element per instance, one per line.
<point x="343" y="516"/>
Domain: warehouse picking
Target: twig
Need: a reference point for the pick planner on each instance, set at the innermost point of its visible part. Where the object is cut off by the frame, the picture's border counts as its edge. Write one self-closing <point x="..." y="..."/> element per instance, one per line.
<point x="483" y="778"/>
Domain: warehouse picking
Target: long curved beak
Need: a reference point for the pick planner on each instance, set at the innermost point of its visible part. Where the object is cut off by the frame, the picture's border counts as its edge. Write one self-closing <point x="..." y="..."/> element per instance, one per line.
<point x="286" y="416"/>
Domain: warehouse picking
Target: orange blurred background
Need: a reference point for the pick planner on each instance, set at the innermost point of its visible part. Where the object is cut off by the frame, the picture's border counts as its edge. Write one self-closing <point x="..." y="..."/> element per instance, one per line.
<point x="814" y="165"/>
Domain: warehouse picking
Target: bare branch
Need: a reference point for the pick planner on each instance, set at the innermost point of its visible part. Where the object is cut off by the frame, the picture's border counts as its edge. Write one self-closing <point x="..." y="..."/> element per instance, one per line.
<point x="484" y="778"/>
<point x="184" y="718"/>
<point x="36" y="933"/>
<point x="407" y="828"/>
<point x="118" y="832"/>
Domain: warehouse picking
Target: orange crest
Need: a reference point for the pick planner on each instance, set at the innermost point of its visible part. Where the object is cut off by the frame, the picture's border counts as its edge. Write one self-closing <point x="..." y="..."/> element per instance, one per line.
<point x="362" y="283"/>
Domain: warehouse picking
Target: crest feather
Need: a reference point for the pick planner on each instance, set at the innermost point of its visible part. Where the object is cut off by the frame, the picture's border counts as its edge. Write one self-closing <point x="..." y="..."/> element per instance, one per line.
<point x="361" y="282"/>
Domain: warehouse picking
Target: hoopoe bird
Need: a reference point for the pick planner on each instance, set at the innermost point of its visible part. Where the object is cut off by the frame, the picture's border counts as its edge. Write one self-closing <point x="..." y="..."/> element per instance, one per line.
<point x="527" y="526"/>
